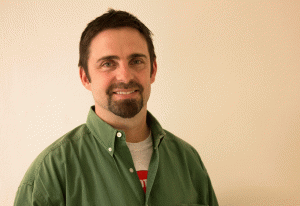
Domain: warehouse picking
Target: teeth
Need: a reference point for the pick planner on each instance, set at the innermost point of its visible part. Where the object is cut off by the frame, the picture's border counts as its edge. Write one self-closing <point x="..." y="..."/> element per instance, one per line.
<point x="124" y="92"/>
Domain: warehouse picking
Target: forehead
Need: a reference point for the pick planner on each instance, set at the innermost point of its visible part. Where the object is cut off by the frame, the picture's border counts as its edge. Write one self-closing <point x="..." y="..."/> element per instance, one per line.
<point x="119" y="41"/>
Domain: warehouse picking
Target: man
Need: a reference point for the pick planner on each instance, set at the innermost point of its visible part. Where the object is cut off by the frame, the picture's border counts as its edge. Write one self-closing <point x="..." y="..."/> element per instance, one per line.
<point x="121" y="156"/>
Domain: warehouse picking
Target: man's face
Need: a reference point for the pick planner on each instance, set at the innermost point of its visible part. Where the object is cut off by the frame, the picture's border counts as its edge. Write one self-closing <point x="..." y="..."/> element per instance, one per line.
<point x="119" y="67"/>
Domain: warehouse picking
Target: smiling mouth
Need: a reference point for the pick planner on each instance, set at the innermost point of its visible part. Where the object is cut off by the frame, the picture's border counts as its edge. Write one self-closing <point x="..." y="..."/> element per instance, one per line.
<point x="129" y="92"/>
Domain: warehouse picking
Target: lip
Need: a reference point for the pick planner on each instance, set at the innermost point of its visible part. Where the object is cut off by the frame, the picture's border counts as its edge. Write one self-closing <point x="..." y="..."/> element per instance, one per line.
<point x="125" y="96"/>
<point x="125" y="90"/>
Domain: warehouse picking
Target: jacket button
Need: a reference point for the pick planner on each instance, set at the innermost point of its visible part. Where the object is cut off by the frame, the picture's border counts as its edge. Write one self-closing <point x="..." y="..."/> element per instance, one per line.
<point x="119" y="134"/>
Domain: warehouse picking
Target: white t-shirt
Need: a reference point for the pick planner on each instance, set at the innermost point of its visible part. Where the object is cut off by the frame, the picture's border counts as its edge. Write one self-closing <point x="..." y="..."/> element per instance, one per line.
<point x="141" y="153"/>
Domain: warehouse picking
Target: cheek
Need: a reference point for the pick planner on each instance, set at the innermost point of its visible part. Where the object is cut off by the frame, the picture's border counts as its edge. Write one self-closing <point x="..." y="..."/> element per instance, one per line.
<point x="147" y="87"/>
<point x="98" y="87"/>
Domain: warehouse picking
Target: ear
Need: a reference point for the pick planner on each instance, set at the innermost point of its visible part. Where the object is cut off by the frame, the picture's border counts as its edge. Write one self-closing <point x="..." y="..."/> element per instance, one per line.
<point x="84" y="80"/>
<point x="152" y="78"/>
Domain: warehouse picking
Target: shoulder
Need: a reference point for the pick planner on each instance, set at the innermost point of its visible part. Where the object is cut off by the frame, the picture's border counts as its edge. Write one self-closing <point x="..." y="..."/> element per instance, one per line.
<point x="181" y="148"/>
<point x="52" y="152"/>
<point x="170" y="138"/>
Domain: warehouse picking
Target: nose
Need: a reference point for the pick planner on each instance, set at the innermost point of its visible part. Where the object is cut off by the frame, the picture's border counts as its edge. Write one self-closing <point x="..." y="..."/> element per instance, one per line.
<point x="124" y="73"/>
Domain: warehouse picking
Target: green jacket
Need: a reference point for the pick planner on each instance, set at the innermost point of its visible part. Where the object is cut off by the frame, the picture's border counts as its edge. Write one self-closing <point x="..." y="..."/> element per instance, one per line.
<point x="91" y="165"/>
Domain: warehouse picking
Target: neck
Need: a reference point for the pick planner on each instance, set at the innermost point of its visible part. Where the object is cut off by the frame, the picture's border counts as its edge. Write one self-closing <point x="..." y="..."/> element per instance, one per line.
<point x="136" y="128"/>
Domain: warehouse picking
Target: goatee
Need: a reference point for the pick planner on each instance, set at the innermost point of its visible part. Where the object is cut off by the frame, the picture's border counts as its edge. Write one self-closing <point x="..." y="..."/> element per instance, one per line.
<point x="126" y="108"/>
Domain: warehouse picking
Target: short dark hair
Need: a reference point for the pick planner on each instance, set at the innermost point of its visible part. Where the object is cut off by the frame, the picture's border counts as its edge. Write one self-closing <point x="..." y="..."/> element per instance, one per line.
<point x="111" y="19"/>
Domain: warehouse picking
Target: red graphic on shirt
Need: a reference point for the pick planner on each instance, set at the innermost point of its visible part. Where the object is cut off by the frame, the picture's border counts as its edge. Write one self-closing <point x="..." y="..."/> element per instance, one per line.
<point x="143" y="178"/>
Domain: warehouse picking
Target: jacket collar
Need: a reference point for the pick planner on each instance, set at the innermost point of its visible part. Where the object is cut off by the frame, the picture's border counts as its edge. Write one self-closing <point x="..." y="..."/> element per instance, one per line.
<point x="107" y="135"/>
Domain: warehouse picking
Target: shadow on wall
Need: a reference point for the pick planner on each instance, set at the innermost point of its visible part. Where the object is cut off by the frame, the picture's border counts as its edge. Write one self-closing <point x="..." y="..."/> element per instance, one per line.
<point x="253" y="196"/>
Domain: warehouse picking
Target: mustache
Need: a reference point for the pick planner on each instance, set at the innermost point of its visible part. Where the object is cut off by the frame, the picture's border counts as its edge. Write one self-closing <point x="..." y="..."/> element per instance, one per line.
<point x="131" y="85"/>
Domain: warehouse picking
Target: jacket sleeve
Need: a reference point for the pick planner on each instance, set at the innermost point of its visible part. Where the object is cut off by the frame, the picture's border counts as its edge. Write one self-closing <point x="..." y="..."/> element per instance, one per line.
<point x="41" y="184"/>
<point x="212" y="196"/>
<point x="211" y="193"/>
<point x="27" y="196"/>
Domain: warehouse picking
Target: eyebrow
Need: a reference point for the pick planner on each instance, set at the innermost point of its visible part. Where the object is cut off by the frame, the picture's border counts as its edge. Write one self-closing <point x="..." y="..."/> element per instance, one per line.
<point x="109" y="57"/>
<point x="137" y="55"/>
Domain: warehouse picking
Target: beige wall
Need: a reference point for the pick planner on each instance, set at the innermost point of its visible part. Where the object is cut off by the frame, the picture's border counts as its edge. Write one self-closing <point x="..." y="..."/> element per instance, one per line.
<point x="228" y="82"/>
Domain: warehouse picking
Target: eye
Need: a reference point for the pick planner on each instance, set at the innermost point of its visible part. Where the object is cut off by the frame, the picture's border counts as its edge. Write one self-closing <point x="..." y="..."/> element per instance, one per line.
<point x="107" y="64"/>
<point x="136" y="61"/>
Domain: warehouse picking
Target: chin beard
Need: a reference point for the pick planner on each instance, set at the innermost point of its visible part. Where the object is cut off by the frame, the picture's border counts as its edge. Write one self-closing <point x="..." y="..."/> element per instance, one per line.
<point x="127" y="108"/>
